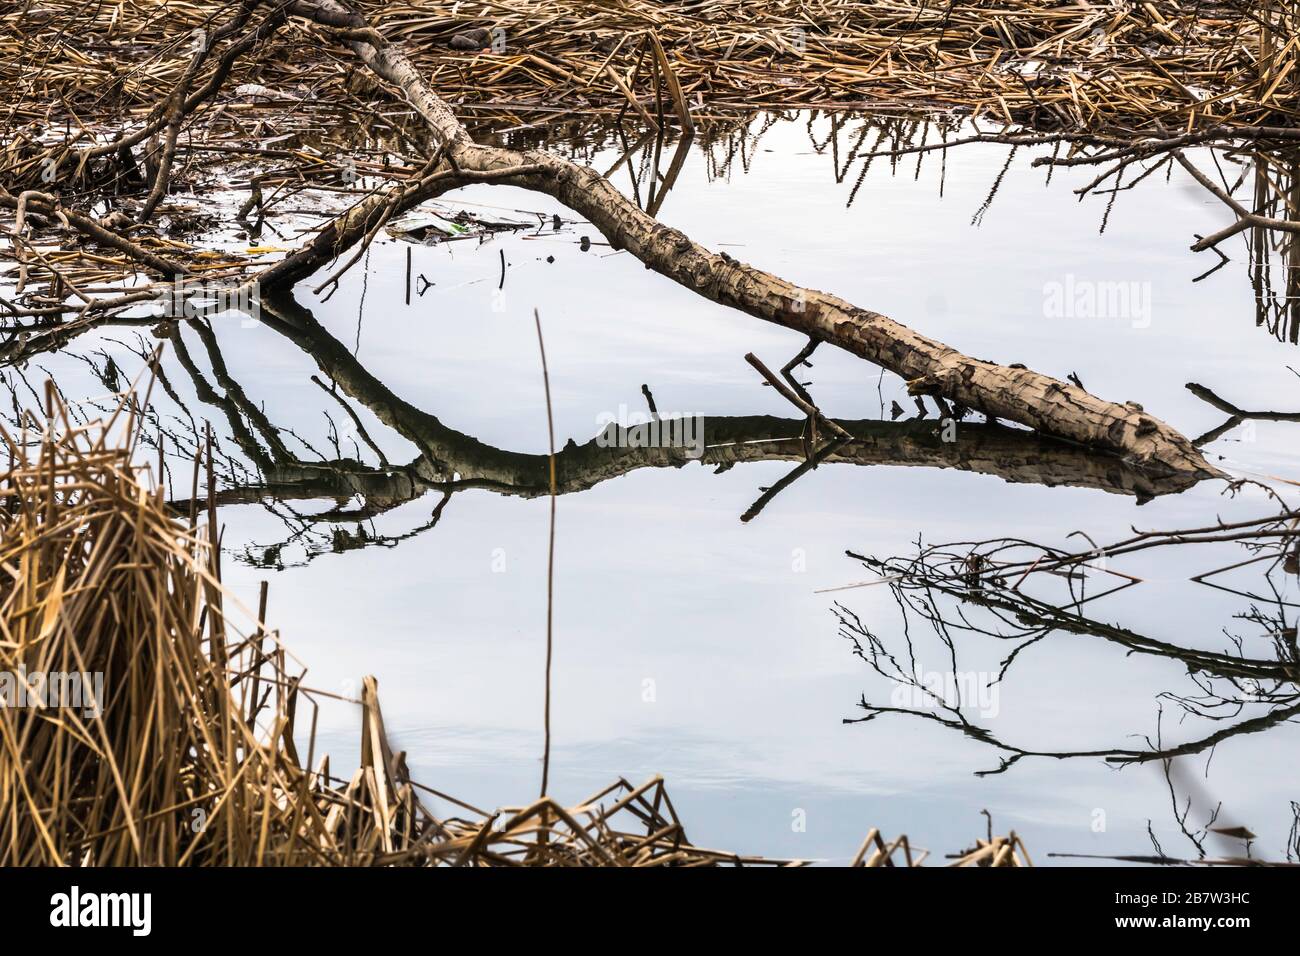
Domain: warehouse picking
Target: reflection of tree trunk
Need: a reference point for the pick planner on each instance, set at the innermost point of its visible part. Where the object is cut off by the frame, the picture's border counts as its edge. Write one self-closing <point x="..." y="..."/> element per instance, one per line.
<point x="1011" y="454"/>
<point x="930" y="367"/>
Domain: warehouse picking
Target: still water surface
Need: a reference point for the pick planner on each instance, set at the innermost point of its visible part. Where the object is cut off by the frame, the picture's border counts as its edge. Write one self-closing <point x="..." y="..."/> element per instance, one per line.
<point x="693" y="644"/>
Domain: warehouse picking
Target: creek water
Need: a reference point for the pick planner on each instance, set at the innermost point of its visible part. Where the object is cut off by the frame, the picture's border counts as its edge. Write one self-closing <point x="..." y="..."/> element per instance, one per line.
<point x="696" y="645"/>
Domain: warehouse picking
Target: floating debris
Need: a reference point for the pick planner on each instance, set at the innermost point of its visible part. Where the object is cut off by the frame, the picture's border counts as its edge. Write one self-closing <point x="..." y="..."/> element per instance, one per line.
<point x="429" y="227"/>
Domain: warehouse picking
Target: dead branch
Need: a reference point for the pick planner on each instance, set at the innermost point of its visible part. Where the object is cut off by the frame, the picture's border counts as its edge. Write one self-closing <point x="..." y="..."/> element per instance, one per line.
<point x="930" y="367"/>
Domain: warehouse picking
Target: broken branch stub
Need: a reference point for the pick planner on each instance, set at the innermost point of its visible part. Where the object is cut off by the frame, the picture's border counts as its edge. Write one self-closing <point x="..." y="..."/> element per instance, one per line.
<point x="1016" y="394"/>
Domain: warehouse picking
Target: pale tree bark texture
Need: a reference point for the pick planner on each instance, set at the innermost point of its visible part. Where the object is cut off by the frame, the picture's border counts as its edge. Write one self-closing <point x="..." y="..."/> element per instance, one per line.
<point x="1016" y="394"/>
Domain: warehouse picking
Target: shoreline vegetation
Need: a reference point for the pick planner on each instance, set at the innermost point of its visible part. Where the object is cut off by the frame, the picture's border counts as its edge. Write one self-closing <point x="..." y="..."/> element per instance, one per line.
<point x="1190" y="64"/>
<point x="202" y="750"/>
<point x="125" y="138"/>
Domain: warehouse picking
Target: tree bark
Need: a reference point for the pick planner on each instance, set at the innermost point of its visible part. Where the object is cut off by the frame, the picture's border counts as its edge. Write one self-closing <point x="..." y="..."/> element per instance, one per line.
<point x="1017" y="394"/>
<point x="1011" y="454"/>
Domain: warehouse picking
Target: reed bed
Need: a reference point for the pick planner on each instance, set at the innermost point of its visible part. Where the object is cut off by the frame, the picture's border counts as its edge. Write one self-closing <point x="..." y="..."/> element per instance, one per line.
<point x="999" y="851"/>
<point x="1051" y="62"/>
<point x="189" y="757"/>
<point x="205" y="117"/>
<point x="187" y="746"/>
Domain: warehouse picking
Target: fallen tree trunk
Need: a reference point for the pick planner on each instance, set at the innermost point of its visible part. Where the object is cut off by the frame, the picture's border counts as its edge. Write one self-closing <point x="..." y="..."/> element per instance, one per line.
<point x="1013" y="455"/>
<point x="1015" y="393"/>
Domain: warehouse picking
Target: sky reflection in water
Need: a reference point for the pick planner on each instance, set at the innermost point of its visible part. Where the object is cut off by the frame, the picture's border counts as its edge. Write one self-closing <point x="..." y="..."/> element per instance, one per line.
<point x="692" y="644"/>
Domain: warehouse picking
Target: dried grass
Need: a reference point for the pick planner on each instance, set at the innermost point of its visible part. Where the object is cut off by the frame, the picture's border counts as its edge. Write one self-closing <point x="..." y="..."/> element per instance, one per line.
<point x="1068" y="63"/>
<point x="192" y="754"/>
<point x="107" y="105"/>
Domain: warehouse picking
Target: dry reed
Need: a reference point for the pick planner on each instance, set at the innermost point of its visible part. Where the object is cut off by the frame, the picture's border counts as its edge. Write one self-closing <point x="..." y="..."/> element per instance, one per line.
<point x="1077" y="64"/>
<point x="189" y="752"/>
<point x="93" y="118"/>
